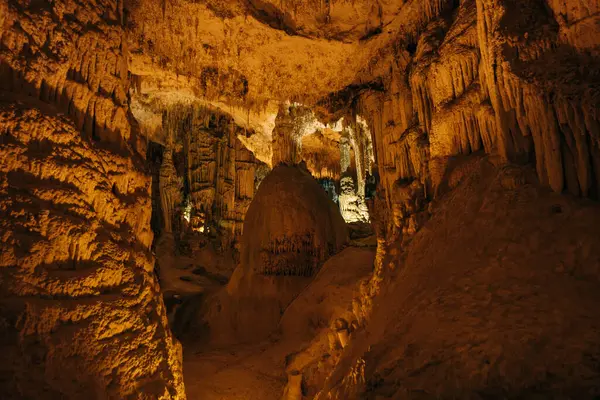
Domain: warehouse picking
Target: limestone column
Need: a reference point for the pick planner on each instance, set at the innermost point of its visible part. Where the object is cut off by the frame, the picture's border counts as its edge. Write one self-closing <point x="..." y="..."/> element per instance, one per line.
<point x="286" y="147"/>
<point x="293" y="122"/>
<point x="344" y="153"/>
<point x="352" y="204"/>
<point x="170" y="190"/>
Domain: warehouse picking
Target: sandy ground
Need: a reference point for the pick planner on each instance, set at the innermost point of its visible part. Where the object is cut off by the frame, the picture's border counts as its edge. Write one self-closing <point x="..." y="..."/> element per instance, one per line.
<point x="258" y="370"/>
<point x="251" y="372"/>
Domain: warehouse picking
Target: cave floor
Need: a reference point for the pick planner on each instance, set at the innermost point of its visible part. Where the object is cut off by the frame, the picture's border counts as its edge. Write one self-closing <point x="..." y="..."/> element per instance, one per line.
<point x="258" y="370"/>
<point x="243" y="372"/>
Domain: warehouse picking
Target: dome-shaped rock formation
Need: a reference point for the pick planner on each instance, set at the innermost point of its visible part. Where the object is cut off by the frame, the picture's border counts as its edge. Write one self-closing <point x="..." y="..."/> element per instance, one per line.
<point x="290" y="229"/>
<point x="292" y="225"/>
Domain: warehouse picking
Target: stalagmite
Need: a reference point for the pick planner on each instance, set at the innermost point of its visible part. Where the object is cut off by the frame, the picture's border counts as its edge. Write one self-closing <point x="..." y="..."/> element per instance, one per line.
<point x="352" y="195"/>
<point x="293" y="390"/>
<point x="290" y="229"/>
<point x="280" y="242"/>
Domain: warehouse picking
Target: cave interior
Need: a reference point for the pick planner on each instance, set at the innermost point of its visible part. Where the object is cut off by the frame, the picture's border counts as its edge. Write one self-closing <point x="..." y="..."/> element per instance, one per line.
<point x="299" y="199"/>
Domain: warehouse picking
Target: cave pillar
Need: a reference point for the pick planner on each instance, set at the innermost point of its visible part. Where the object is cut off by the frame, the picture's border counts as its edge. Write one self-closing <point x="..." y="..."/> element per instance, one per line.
<point x="352" y="202"/>
<point x="170" y="190"/>
<point x="344" y="154"/>
<point x="287" y="146"/>
<point x="82" y="313"/>
<point x="359" y="159"/>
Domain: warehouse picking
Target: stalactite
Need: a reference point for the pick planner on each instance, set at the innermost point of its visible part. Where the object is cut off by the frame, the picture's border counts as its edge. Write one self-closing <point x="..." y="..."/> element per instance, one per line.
<point x="293" y="122"/>
<point x="420" y="94"/>
<point x="476" y="85"/>
<point x="90" y="86"/>
<point x="526" y="113"/>
<point x="220" y="171"/>
<point x="344" y="153"/>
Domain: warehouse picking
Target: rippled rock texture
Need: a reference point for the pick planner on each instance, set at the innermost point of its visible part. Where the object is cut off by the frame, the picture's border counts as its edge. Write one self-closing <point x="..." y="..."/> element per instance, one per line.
<point x="515" y="79"/>
<point x="418" y="85"/>
<point x="82" y="314"/>
<point x="79" y="296"/>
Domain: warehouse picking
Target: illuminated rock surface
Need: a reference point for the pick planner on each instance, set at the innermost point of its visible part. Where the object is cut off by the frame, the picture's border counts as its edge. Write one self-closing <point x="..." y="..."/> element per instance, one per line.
<point x="459" y="139"/>
<point x="82" y="314"/>
<point x="290" y="229"/>
<point x="494" y="297"/>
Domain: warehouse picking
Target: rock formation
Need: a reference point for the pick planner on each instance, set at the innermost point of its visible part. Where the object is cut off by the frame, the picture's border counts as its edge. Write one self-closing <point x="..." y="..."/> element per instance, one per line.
<point x="60" y="60"/>
<point x="443" y="126"/>
<point x="290" y="229"/>
<point x="480" y="268"/>
<point x="79" y="296"/>
<point x="293" y="227"/>
<point x="82" y="312"/>
<point x="293" y="123"/>
<point x="170" y="188"/>
<point x="217" y="176"/>
<point x="352" y="200"/>
<point x="476" y="82"/>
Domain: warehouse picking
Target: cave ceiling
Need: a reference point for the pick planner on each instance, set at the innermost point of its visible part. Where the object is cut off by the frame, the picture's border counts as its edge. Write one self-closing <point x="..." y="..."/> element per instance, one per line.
<point x="246" y="57"/>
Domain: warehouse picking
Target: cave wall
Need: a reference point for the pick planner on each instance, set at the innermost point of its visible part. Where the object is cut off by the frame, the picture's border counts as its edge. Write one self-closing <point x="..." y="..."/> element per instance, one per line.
<point x="517" y="80"/>
<point x="506" y="85"/>
<point x="82" y="314"/>
<point x="218" y="174"/>
<point x="221" y="177"/>
<point x="356" y="150"/>
<point x="341" y="150"/>
<point x="73" y="56"/>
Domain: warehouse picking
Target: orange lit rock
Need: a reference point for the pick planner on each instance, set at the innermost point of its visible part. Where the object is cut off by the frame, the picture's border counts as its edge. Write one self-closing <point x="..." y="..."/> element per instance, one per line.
<point x="170" y="190"/>
<point x="293" y="227"/>
<point x="82" y="313"/>
<point x="440" y="105"/>
<point x="290" y="229"/>
<point x="218" y="170"/>
<point x="480" y="268"/>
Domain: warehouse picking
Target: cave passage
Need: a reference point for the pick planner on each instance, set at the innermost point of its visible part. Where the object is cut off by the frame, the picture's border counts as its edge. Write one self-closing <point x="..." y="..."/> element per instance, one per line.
<point x="299" y="200"/>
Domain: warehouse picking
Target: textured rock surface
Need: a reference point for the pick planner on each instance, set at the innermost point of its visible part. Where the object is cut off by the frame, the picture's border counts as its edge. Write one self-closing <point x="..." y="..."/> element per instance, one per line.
<point x="170" y="188"/>
<point x="433" y="79"/>
<point x="259" y="371"/>
<point x="293" y="227"/>
<point x="494" y="297"/>
<point x="73" y="55"/>
<point x="383" y="94"/>
<point x="503" y="77"/>
<point x="216" y="181"/>
<point x="290" y="229"/>
<point x="82" y="314"/>
<point x="79" y="297"/>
